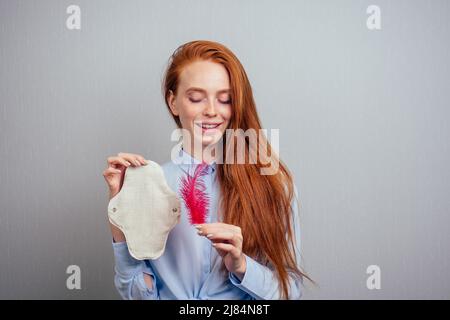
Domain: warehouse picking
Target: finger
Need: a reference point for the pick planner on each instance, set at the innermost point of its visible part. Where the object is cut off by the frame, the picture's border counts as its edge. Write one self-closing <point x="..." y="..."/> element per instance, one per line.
<point x="229" y="237"/>
<point x="133" y="161"/>
<point x="221" y="253"/>
<point x="136" y="159"/>
<point x="205" y="229"/>
<point x="208" y="228"/>
<point x="118" y="160"/>
<point x="142" y="160"/>
<point x="110" y="171"/>
<point x="227" y="248"/>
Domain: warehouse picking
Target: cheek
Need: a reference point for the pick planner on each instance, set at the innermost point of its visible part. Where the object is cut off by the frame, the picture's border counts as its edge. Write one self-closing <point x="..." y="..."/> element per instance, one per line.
<point x="187" y="113"/>
<point x="226" y="112"/>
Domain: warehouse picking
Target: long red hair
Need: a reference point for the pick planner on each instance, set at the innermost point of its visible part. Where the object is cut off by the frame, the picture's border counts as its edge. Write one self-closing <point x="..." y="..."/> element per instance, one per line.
<point x="259" y="204"/>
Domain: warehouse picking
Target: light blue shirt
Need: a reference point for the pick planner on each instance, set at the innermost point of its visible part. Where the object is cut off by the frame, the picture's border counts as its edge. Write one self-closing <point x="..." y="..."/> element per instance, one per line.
<point x="190" y="266"/>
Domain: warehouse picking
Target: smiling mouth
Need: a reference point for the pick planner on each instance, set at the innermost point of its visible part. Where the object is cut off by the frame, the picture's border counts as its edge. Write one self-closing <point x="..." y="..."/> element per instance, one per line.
<point x="205" y="126"/>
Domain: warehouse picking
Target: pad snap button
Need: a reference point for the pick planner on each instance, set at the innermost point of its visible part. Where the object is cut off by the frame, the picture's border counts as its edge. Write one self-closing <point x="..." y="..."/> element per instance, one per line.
<point x="175" y="209"/>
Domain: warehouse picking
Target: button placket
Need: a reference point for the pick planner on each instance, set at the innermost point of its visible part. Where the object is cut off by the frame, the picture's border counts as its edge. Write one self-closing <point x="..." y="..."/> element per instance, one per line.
<point x="210" y="213"/>
<point x="207" y="247"/>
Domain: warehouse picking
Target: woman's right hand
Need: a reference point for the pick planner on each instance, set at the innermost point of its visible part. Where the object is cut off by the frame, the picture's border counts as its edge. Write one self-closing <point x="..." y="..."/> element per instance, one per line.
<point x="117" y="165"/>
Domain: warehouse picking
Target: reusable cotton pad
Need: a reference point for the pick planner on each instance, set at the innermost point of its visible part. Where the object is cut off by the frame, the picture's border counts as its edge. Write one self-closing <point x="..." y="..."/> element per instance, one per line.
<point x="145" y="210"/>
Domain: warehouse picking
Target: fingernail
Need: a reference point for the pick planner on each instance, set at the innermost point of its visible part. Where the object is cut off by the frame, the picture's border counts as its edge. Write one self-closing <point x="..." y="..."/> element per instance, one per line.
<point x="199" y="232"/>
<point x="214" y="244"/>
<point x="128" y="163"/>
<point x="209" y="235"/>
<point x="197" y="226"/>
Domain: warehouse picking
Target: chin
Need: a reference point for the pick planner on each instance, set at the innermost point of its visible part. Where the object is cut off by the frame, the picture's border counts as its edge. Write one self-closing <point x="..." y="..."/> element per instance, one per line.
<point x="211" y="140"/>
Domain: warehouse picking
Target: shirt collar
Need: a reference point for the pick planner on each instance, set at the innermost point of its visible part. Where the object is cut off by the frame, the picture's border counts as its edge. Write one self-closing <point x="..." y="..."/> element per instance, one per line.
<point x="186" y="159"/>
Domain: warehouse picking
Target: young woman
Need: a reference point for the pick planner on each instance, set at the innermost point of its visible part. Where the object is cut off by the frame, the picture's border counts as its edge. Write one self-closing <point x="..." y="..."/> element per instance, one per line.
<point x="248" y="248"/>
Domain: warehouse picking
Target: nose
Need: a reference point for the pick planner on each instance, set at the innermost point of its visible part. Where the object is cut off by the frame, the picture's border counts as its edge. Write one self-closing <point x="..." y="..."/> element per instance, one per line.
<point x="210" y="109"/>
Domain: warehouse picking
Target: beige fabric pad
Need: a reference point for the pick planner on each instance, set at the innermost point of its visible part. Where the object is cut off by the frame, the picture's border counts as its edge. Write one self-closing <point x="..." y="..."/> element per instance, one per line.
<point x="145" y="210"/>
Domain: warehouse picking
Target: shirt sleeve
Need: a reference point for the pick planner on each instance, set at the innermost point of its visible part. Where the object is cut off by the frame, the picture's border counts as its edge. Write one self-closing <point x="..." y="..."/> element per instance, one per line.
<point x="129" y="275"/>
<point x="261" y="281"/>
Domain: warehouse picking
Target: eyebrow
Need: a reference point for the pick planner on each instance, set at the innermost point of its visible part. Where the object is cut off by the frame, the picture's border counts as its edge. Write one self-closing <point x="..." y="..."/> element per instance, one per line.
<point x="204" y="91"/>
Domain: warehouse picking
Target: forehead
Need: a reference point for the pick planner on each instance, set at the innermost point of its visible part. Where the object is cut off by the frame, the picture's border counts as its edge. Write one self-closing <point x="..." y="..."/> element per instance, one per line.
<point x="207" y="75"/>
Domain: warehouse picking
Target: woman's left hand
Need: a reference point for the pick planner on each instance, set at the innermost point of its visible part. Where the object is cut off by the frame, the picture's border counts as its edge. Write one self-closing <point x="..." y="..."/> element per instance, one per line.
<point x="227" y="239"/>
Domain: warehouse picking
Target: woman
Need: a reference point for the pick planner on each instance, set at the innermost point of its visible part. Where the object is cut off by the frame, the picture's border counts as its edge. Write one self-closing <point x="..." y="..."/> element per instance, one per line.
<point x="248" y="248"/>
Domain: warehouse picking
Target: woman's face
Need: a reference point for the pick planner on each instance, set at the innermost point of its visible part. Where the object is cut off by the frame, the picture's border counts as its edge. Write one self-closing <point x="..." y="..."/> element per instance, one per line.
<point x="203" y="101"/>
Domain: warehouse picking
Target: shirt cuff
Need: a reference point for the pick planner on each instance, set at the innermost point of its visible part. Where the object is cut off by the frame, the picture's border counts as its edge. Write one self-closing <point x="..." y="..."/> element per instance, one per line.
<point x="253" y="281"/>
<point x="126" y="265"/>
<point x="148" y="293"/>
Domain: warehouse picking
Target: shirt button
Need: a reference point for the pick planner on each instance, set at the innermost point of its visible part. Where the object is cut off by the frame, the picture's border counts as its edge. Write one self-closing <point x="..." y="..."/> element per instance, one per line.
<point x="114" y="209"/>
<point x="175" y="209"/>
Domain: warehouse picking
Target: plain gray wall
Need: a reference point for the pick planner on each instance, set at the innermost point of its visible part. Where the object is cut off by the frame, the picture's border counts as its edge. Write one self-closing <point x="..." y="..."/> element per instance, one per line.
<point x="363" y="118"/>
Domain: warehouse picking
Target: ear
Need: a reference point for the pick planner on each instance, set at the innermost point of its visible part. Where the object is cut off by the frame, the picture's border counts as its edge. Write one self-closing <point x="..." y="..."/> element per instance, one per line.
<point x="172" y="105"/>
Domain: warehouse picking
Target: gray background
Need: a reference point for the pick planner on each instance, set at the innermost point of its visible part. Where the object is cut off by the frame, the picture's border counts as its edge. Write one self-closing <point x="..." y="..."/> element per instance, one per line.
<point x="363" y="118"/>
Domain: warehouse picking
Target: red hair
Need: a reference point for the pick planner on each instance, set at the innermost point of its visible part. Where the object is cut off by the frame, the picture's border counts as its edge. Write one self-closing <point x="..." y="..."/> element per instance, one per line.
<point x="259" y="204"/>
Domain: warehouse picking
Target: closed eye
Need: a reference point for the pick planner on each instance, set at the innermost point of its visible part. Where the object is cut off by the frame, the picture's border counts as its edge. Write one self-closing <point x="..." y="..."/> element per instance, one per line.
<point x="197" y="101"/>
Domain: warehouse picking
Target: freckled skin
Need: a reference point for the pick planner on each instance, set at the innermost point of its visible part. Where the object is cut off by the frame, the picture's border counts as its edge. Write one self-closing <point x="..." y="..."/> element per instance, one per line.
<point x="209" y="106"/>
